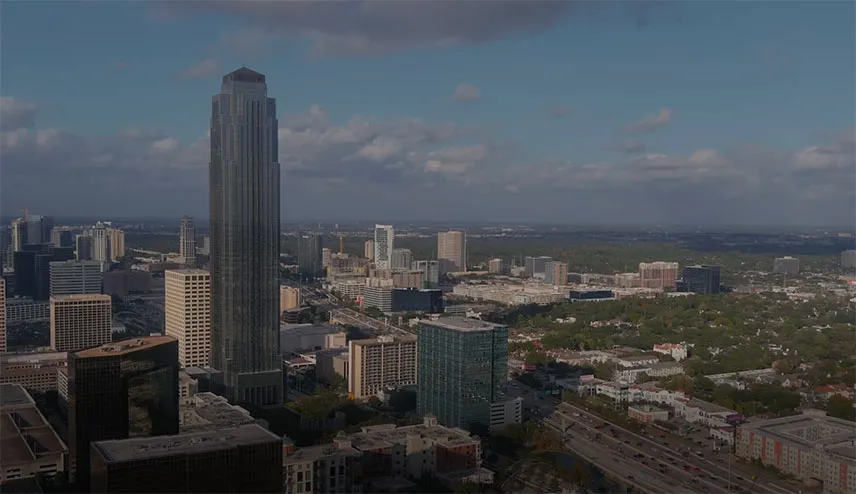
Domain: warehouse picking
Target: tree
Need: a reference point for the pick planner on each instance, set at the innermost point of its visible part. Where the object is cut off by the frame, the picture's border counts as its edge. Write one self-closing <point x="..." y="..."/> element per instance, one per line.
<point x="841" y="407"/>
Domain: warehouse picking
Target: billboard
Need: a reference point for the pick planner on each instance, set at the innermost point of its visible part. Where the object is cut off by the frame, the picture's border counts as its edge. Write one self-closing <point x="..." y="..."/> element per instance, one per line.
<point x="735" y="418"/>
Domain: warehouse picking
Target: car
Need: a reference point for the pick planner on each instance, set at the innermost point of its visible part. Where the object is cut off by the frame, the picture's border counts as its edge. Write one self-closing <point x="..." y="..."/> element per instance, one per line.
<point x="630" y="477"/>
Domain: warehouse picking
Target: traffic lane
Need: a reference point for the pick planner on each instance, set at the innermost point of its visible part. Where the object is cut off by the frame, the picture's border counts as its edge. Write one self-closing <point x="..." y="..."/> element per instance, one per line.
<point x="642" y="457"/>
<point x="695" y="462"/>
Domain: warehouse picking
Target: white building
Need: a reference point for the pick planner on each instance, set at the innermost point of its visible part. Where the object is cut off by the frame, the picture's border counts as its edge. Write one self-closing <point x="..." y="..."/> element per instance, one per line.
<point x="506" y="412"/>
<point x="75" y="277"/>
<point x="187" y="312"/>
<point x="384" y="241"/>
<point x="676" y="350"/>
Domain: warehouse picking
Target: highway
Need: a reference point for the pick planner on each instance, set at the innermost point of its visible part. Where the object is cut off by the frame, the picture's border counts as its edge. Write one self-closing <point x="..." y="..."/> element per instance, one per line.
<point x="348" y="316"/>
<point x="639" y="455"/>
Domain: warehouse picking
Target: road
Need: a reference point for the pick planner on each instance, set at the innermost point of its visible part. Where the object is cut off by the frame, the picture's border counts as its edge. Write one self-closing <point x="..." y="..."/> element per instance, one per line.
<point x="649" y="451"/>
<point x="348" y="316"/>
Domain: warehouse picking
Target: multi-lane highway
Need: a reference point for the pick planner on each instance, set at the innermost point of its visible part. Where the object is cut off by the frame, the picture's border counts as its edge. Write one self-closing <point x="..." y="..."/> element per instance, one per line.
<point x="652" y="458"/>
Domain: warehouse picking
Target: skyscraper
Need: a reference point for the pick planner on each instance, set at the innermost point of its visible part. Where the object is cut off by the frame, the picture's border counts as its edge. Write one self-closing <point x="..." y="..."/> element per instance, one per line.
<point x="75" y="277"/>
<point x="452" y="251"/>
<point x="80" y="321"/>
<point x="384" y="238"/>
<point x="187" y="241"/>
<point x="244" y="210"/>
<point x="187" y="314"/>
<point x="310" y="255"/>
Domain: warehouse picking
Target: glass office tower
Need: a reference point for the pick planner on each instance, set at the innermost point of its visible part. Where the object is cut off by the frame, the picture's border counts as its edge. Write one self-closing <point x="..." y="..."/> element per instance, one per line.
<point x="462" y="368"/>
<point x="244" y="211"/>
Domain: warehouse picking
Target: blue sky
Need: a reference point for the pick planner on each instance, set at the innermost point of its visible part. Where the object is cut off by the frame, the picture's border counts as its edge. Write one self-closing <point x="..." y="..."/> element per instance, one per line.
<point x="774" y="76"/>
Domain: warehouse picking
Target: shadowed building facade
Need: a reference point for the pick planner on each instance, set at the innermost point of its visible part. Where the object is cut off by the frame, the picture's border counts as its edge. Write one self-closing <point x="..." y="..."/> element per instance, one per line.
<point x="244" y="211"/>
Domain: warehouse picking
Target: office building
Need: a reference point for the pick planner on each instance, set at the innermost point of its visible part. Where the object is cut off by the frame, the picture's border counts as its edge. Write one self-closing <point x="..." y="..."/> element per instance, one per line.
<point x="368" y="249"/>
<point x="582" y="295"/>
<point x="326" y="257"/>
<point x="431" y="270"/>
<point x="848" y="259"/>
<point x="83" y="247"/>
<point x="384" y="242"/>
<point x="505" y="411"/>
<point x="811" y="447"/>
<point x="417" y="300"/>
<point x="187" y="241"/>
<point x="382" y="362"/>
<point x="31" y="449"/>
<point x="101" y="243"/>
<point x="75" y="277"/>
<point x="80" y="321"/>
<point x="327" y="468"/>
<point x="556" y="273"/>
<point x="536" y="267"/>
<point x="378" y="296"/>
<point x="786" y="265"/>
<point x="247" y="458"/>
<point x="703" y="280"/>
<point x="187" y="311"/>
<point x="39" y="229"/>
<point x="289" y="298"/>
<point x="32" y="269"/>
<point x="206" y="245"/>
<point x="121" y="390"/>
<point x="62" y="237"/>
<point x="19" y="234"/>
<point x="122" y="283"/>
<point x="452" y="252"/>
<point x="310" y="255"/>
<point x="26" y="310"/>
<point x="401" y="259"/>
<point x="297" y="338"/>
<point x="660" y="275"/>
<point x="496" y="266"/>
<point x="244" y="211"/>
<point x="35" y="371"/>
<point x="462" y="369"/>
<point x="2" y="315"/>
<point x="117" y="244"/>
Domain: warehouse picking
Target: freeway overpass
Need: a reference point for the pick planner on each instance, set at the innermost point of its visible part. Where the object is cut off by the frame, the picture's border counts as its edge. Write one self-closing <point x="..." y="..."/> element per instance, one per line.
<point x="354" y="318"/>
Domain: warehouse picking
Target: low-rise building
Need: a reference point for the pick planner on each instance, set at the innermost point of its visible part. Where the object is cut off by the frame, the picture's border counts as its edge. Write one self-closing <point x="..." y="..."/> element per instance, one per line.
<point x="327" y="468"/>
<point x="296" y="337"/>
<point x="506" y="412"/>
<point x="647" y="413"/>
<point x="30" y="447"/>
<point x="35" y="371"/>
<point x="26" y="310"/>
<point x="812" y="447"/>
<point x="332" y="364"/>
<point x="676" y="350"/>
<point x="207" y="411"/>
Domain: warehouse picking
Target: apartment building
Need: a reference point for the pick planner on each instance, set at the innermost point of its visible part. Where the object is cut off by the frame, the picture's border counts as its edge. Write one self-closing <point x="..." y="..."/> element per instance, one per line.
<point x="385" y="361"/>
<point x="452" y="251"/>
<point x="658" y="274"/>
<point x="289" y="298"/>
<point x="80" y="321"/>
<point x="188" y="314"/>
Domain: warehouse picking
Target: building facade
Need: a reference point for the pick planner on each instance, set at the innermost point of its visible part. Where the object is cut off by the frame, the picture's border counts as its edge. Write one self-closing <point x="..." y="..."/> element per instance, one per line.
<point x="452" y="251"/>
<point x="2" y="315"/>
<point x="187" y="241"/>
<point x="187" y="314"/>
<point x="401" y="259"/>
<point x="310" y="255"/>
<point x="462" y="370"/>
<point x="786" y="265"/>
<point x="75" y="277"/>
<point x="662" y="275"/>
<point x="703" y="280"/>
<point x="289" y="298"/>
<point x="244" y="181"/>
<point x="80" y="321"/>
<point x="431" y="270"/>
<point x="535" y="267"/>
<point x="385" y="361"/>
<point x="368" y="249"/>
<point x="384" y="243"/>
<point x="556" y="273"/>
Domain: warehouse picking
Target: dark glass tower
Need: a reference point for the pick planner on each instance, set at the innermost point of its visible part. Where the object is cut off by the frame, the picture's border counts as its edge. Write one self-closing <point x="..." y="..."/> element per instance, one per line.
<point x="309" y="255"/>
<point x="244" y="212"/>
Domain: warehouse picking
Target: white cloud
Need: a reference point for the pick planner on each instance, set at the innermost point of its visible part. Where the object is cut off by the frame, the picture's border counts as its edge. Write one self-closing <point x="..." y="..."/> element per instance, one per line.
<point x="16" y="114"/>
<point x="466" y="92"/>
<point x="206" y="68"/>
<point x="650" y="123"/>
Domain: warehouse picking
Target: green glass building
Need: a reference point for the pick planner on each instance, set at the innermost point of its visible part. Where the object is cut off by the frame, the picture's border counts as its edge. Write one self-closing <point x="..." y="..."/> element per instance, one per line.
<point x="462" y="368"/>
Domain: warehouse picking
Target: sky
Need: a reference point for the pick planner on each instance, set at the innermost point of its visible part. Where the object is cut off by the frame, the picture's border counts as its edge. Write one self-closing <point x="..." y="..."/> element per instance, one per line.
<point x="655" y="113"/>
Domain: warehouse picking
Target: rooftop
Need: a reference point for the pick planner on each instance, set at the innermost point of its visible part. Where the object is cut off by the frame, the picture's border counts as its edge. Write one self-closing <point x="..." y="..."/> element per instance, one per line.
<point x="88" y="297"/>
<point x="205" y="411"/>
<point x="457" y="323"/>
<point x="25" y="435"/>
<point x="32" y="357"/>
<point x="385" y="339"/>
<point x="314" y="453"/>
<point x="188" y="271"/>
<point x="141" y="448"/>
<point x="244" y="75"/>
<point x="812" y="429"/>
<point x="125" y="346"/>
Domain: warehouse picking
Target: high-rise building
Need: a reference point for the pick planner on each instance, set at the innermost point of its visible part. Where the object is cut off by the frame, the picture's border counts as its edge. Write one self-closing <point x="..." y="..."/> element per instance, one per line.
<point x="2" y="315"/>
<point x="662" y="275"/>
<point x="401" y="259"/>
<point x="703" y="280"/>
<point x="381" y="362"/>
<point x="326" y="257"/>
<point x="187" y="241"/>
<point x="187" y="313"/>
<point x="244" y="202"/>
<point x="32" y="269"/>
<point x="496" y="266"/>
<point x="61" y="237"/>
<point x="80" y="321"/>
<point x="245" y="458"/>
<point x="289" y="298"/>
<point x="83" y="247"/>
<point x="100" y="243"/>
<point x="848" y="259"/>
<point x="556" y="273"/>
<point x="310" y="255"/>
<point x="19" y="234"/>
<point x="117" y="244"/>
<point x="368" y="249"/>
<point x="536" y="267"/>
<point x="39" y="229"/>
<point x="462" y="368"/>
<point x="431" y="270"/>
<point x="75" y="277"/>
<point x="452" y="251"/>
<point x="786" y="265"/>
<point x="120" y="390"/>
<point x="206" y="245"/>
<point x="384" y="243"/>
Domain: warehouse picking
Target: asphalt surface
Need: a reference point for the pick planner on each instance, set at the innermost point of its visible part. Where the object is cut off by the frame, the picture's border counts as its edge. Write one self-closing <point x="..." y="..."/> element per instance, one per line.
<point x="649" y="462"/>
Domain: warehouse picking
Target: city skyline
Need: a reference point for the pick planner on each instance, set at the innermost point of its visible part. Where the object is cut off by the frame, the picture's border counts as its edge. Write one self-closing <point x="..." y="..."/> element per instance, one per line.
<point x="618" y="114"/>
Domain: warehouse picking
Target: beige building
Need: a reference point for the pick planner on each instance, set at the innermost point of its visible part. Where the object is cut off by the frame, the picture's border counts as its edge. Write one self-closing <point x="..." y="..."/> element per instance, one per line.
<point x="332" y="363"/>
<point x="2" y="315"/>
<point x="452" y="251"/>
<point x="381" y="362"/>
<point x="79" y="322"/>
<point x="289" y="298"/>
<point x="188" y="314"/>
<point x="35" y="371"/>
<point x="31" y="449"/>
<point x="117" y="244"/>
<point x="658" y="274"/>
<point x="496" y="266"/>
<point x="368" y="249"/>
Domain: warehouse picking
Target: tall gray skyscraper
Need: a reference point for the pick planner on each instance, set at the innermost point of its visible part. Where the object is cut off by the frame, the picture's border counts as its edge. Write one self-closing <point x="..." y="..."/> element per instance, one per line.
<point x="244" y="212"/>
<point x="187" y="241"/>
